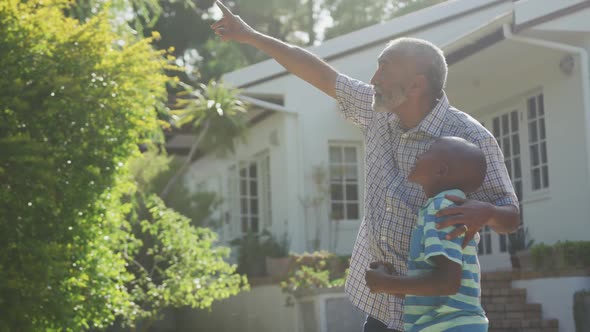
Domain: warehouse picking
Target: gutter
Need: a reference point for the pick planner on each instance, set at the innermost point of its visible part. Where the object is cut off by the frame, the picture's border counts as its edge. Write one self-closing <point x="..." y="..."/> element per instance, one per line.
<point x="583" y="55"/>
<point x="266" y="105"/>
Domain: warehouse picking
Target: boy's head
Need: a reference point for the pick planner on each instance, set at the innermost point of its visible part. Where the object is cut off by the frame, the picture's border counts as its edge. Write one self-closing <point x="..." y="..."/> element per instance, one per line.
<point x="449" y="163"/>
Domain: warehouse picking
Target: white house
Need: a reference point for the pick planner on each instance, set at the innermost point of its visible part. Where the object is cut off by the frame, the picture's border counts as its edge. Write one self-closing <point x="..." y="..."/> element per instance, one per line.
<point x="519" y="67"/>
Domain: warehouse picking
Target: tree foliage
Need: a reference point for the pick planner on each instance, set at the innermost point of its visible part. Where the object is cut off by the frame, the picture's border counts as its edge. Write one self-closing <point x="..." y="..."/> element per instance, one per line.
<point x="76" y="99"/>
<point x="351" y="15"/>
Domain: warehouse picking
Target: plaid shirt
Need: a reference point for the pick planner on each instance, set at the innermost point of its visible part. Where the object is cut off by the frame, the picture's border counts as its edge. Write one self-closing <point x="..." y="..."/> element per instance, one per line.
<point x="391" y="202"/>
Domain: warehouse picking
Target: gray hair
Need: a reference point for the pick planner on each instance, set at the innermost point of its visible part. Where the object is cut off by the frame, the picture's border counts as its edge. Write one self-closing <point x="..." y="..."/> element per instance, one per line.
<point x="427" y="55"/>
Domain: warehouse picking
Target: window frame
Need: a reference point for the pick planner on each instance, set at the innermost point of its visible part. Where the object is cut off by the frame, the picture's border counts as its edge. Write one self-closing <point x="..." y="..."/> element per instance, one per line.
<point x="520" y="104"/>
<point x="236" y="196"/>
<point x="359" y="163"/>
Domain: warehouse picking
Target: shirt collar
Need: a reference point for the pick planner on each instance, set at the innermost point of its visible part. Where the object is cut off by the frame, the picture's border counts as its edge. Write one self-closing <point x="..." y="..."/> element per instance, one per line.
<point x="433" y="122"/>
<point x="454" y="192"/>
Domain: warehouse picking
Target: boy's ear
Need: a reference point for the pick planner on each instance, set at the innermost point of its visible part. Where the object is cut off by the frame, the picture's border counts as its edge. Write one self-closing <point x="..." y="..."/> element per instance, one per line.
<point x="442" y="169"/>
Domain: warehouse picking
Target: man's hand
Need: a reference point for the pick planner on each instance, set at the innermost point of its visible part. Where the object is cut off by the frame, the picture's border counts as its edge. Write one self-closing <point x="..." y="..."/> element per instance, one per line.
<point x="378" y="275"/>
<point x="470" y="216"/>
<point x="232" y="27"/>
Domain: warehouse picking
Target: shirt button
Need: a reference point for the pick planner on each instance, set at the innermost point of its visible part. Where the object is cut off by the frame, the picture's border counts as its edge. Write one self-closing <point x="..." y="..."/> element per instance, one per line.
<point x="388" y="209"/>
<point x="384" y="238"/>
<point x="404" y="135"/>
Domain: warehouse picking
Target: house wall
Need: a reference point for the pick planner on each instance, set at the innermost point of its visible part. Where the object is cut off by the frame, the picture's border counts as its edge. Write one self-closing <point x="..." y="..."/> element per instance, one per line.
<point x="306" y="137"/>
<point x="318" y="124"/>
<point x="563" y="212"/>
<point x="557" y="297"/>
<point x="262" y="309"/>
<point x="211" y="172"/>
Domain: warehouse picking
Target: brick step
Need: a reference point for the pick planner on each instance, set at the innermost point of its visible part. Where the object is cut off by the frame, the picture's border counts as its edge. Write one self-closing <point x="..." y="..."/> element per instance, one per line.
<point x="506" y="291"/>
<point x="532" y="329"/>
<point x="496" y="312"/>
<point x="498" y="316"/>
<point x="495" y="284"/>
<point x="514" y="296"/>
<point x="496" y="276"/>
<point x="523" y="324"/>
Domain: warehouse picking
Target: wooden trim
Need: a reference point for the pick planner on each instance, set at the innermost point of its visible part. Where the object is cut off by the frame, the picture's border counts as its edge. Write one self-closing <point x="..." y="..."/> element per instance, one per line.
<point x="551" y="16"/>
<point x="260" y="117"/>
<point x="477" y="46"/>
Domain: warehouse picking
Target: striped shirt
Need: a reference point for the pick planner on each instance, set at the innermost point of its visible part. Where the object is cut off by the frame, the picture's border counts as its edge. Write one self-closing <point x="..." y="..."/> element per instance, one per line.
<point x="441" y="313"/>
<point x="391" y="202"/>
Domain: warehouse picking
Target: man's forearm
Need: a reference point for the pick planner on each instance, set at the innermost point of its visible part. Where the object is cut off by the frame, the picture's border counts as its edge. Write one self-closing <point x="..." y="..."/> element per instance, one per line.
<point x="505" y="218"/>
<point x="298" y="61"/>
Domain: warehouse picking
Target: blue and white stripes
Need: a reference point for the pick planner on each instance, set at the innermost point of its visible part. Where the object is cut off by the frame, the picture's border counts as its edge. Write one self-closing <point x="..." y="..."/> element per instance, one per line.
<point x="443" y="313"/>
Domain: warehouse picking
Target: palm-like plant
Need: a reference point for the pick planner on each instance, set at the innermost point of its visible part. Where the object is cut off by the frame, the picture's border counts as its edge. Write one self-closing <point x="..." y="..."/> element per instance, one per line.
<point x="215" y="114"/>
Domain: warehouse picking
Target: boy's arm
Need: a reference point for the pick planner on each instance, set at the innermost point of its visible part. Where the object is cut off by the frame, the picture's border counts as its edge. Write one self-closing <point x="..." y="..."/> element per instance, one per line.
<point x="445" y="279"/>
<point x="445" y="257"/>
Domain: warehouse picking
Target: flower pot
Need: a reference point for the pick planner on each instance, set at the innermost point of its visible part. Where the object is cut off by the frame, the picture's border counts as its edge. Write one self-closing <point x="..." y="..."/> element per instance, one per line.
<point x="278" y="268"/>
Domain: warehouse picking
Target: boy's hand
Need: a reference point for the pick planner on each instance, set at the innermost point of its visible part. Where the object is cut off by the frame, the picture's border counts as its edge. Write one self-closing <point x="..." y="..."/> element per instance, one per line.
<point x="378" y="275"/>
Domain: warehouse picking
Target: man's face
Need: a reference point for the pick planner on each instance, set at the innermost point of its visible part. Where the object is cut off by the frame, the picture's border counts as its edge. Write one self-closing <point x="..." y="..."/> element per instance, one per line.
<point x="389" y="81"/>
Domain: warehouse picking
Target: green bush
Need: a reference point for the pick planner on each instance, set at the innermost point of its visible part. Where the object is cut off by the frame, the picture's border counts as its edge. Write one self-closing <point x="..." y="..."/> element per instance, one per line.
<point x="568" y="254"/>
<point x="320" y="269"/>
<point x="76" y="99"/>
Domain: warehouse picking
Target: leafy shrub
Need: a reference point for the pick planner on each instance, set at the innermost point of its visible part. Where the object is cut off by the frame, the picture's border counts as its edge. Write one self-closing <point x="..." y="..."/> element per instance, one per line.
<point x="320" y="269"/>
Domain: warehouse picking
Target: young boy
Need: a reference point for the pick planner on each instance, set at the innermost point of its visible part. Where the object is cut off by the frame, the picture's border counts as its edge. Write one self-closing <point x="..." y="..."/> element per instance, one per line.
<point x="442" y="286"/>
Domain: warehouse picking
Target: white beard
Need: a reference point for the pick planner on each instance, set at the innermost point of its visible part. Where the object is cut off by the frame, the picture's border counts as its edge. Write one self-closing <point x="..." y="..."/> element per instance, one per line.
<point x="389" y="104"/>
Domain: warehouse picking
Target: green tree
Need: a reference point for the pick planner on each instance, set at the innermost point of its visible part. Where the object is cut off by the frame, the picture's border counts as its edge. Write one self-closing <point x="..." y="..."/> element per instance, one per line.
<point x="76" y="99"/>
<point x="216" y="115"/>
<point x="351" y="15"/>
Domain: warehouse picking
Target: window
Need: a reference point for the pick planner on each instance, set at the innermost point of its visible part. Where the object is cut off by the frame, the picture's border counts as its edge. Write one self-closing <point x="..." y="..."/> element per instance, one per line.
<point x="524" y="146"/>
<point x="485" y="241"/>
<point x="537" y="143"/>
<point x="249" y="197"/>
<point x="249" y="192"/>
<point x="344" y="182"/>
<point x="521" y="134"/>
<point x="505" y="130"/>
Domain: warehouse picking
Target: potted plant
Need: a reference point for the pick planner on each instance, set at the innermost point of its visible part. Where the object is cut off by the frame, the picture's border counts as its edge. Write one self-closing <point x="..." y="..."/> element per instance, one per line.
<point x="519" y="243"/>
<point x="311" y="272"/>
<point x="582" y="310"/>
<point x="276" y="255"/>
<point x="251" y="254"/>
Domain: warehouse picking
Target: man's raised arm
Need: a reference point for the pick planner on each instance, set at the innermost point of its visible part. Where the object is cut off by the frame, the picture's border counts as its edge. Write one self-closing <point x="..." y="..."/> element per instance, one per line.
<point x="295" y="59"/>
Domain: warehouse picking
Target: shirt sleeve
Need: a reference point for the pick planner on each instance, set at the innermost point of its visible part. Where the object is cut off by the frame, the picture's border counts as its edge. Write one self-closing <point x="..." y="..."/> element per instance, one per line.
<point x="355" y="100"/>
<point x="435" y="242"/>
<point x="497" y="187"/>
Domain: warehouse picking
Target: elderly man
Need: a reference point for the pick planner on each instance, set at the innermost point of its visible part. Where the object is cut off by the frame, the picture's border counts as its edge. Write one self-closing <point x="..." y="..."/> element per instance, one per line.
<point x="400" y="114"/>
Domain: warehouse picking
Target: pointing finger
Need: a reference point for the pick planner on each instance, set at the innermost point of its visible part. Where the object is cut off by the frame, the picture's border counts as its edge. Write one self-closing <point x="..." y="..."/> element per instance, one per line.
<point x="223" y="8"/>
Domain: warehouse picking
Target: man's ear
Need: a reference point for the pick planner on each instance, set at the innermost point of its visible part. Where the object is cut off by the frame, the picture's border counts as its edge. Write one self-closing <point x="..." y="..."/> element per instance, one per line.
<point x="418" y="86"/>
